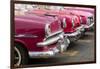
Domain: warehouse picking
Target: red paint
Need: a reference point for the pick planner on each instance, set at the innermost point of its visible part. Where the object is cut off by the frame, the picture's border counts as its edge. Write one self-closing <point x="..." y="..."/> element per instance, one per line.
<point x="61" y="14"/>
<point x="34" y="25"/>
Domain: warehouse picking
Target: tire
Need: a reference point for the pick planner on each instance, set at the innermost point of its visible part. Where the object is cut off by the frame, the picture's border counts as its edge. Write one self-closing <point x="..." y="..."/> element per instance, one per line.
<point x="20" y="56"/>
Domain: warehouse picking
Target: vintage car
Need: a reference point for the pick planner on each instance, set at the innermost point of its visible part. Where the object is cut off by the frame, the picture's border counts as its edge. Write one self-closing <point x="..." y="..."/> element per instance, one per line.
<point x="37" y="36"/>
<point x="91" y="10"/>
<point x="72" y="27"/>
<point x="87" y="18"/>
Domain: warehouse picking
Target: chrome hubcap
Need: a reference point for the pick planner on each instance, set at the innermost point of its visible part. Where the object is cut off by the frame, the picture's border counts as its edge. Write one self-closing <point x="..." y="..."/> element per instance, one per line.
<point x="17" y="58"/>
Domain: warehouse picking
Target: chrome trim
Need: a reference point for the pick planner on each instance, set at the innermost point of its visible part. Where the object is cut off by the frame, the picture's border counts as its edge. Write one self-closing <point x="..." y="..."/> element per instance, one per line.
<point x="72" y="34"/>
<point x="75" y="35"/>
<point x="80" y="28"/>
<point x="39" y="54"/>
<point x="64" y="23"/>
<point x="80" y="19"/>
<point x="63" y="44"/>
<point x="88" y="21"/>
<point x="53" y="34"/>
<point x="53" y="51"/>
<point x="47" y="29"/>
<point x="88" y="26"/>
<point x="73" y="24"/>
<point x="77" y="32"/>
<point x="19" y="58"/>
<point x="26" y="36"/>
<point x="50" y="40"/>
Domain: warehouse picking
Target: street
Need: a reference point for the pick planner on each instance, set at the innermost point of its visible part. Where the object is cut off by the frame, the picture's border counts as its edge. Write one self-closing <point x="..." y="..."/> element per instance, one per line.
<point x="79" y="51"/>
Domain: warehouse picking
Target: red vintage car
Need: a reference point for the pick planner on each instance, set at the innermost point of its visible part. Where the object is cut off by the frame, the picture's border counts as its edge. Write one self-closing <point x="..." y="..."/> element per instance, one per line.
<point x="37" y="36"/>
<point x="91" y="10"/>
<point x="87" y="18"/>
<point x="72" y="27"/>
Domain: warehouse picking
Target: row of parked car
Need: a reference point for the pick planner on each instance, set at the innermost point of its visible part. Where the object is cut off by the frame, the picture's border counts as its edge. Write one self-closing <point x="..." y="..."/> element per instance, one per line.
<point x="47" y="32"/>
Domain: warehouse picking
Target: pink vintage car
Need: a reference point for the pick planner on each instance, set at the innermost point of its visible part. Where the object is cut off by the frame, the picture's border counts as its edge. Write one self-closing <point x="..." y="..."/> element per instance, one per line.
<point x="37" y="36"/>
<point x="91" y="10"/>
<point x="72" y="27"/>
<point x="87" y="18"/>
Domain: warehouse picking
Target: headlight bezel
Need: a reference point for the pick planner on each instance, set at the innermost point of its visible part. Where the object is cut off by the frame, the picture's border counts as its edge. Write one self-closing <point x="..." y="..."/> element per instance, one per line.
<point x="47" y="30"/>
<point x="64" y="23"/>
<point x="73" y="23"/>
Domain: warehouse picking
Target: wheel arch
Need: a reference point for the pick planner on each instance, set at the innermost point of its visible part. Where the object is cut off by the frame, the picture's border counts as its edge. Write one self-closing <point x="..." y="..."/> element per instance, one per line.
<point x="22" y="45"/>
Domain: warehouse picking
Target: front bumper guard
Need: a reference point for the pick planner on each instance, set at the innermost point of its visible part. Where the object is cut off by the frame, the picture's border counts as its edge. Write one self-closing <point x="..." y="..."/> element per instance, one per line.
<point x="59" y="39"/>
<point x="51" y="40"/>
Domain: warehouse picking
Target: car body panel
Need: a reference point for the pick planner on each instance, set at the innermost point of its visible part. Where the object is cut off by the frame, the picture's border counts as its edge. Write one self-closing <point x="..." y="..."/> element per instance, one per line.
<point x="30" y="31"/>
<point x="61" y="15"/>
<point x="86" y="16"/>
<point x="70" y="29"/>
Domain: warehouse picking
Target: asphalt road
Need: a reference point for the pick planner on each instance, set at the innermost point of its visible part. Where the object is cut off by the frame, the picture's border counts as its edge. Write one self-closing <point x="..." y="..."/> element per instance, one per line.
<point x="79" y="51"/>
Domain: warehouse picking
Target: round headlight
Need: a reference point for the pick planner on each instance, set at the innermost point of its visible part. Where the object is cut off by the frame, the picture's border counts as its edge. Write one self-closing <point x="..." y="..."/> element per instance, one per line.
<point x="90" y="20"/>
<point x="47" y="29"/>
<point x="64" y="23"/>
<point x="73" y="24"/>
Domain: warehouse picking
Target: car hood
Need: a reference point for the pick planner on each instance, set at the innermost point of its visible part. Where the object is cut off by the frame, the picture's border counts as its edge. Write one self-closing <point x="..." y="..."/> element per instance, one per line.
<point x="36" y="18"/>
<point x="82" y="13"/>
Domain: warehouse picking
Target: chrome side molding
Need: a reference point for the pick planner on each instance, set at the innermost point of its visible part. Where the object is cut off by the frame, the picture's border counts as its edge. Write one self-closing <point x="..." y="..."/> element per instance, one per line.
<point x="26" y="36"/>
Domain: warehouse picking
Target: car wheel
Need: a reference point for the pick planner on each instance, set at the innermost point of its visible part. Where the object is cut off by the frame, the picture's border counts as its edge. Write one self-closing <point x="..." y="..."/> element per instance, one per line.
<point x="20" y="56"/>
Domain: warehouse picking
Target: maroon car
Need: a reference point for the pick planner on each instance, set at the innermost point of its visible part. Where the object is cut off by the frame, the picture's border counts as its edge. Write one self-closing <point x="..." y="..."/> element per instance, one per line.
<point x="87" y="17"/>
<point x="71" y="23"/>
<point x="85" y="9"/>
<point x="37" y="36"/>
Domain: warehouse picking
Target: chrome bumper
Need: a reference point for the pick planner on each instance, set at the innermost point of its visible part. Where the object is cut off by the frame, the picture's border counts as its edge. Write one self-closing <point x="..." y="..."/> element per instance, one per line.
<point x="75" y="35"/>
<point x="81" y="28"/>
<point x="61" y="47"/>
<point x="72" y="34"/>
<point x="45" y="54"/>
<point x="61" y="44"/>
<point x="88" y="26"/>
<point x="51" y="40"/>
